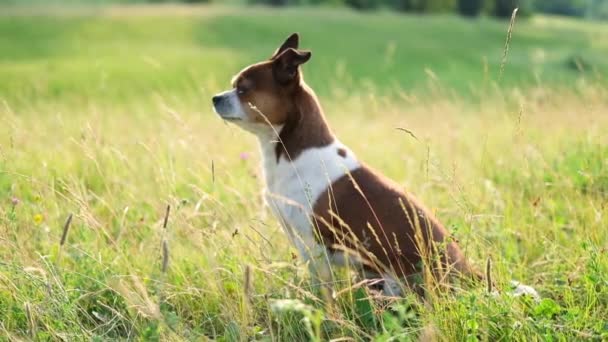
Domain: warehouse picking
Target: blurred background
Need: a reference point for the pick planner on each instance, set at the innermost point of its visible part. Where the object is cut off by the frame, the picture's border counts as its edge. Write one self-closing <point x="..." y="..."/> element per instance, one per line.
<point x="595" y="9"/>
<point x="127" y="48"/>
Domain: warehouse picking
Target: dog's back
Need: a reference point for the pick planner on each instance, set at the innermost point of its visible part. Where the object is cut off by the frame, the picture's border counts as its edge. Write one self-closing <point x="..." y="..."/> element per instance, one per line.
<point x="386" y="229"/>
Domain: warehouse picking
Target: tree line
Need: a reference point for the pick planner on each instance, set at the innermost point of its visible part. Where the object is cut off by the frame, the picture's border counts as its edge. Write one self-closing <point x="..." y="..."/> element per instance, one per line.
<point x="469" y="8"/>
<point x="593" y="9"/>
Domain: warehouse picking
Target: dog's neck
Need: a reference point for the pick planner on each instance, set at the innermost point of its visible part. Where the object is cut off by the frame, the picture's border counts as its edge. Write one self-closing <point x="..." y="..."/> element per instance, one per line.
<point x="305" y="128"/>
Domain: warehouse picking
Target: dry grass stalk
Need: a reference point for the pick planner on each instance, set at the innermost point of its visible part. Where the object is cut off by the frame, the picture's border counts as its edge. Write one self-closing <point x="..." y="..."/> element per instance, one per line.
<point x="248" y="283"/>
<point x="212" y="172"/>
<point x="66" y="228"/>
<point x="165" y="255"/>
<point x="164" y="243"/>
<point x="489" y="274"/>
<point x="507" y="43"/>
<point x="30" y="320"/>
<point x="166" y="220"/>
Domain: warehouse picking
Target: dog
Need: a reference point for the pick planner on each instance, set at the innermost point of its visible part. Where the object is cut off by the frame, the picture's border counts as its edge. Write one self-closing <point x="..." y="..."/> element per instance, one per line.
<point x="334" y="208"/>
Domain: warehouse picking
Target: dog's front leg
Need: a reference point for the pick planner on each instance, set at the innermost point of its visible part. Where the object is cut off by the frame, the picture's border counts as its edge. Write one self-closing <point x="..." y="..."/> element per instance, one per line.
<point x="319" y="265"/>
<point x="315" y="256"/>
<point x="298" y="227"/>
<point x="321" y="275"/>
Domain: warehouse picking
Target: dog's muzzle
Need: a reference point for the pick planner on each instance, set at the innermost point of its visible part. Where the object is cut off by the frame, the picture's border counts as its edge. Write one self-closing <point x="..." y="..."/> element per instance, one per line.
<point x="228" y="106"/>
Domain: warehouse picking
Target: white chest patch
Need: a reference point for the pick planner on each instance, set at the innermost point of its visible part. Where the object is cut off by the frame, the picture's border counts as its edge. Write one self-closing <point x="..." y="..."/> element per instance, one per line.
<point x="292" y="188"/>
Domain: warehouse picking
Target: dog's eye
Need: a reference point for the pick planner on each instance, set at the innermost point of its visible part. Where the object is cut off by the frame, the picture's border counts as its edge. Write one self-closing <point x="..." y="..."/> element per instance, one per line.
<point x="241" y="90"/>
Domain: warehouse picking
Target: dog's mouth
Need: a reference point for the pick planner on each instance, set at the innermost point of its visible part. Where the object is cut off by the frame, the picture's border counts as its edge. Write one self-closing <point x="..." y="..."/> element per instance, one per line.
<point x="231" y="118"/>
<point x="226" y="117"/>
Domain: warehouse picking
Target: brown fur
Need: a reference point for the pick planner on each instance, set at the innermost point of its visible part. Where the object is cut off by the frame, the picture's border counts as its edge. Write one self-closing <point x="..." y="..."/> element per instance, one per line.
<point x="262" y="98"/>
<point x="368" y="215"/>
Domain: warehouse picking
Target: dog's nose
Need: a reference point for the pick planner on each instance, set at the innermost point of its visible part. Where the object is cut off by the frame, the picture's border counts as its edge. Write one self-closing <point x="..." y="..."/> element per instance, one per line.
<point x="216" y="99"/>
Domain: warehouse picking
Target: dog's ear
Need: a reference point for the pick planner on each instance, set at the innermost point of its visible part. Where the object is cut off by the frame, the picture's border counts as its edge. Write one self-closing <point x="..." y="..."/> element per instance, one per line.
<point x="293" y="41"/>
<point x="286" y="64"/>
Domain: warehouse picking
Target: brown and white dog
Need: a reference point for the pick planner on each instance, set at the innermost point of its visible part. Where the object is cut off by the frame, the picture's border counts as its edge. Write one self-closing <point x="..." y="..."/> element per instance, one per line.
<point x="334" y="209"/>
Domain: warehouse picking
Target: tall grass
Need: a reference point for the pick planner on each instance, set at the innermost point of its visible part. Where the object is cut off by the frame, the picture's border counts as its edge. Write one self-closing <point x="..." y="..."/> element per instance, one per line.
<point x="517" y="173"/>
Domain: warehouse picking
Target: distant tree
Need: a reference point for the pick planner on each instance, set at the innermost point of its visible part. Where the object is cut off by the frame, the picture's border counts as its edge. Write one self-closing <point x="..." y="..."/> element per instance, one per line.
<point x="562" y="7"/>
<point x="440" y="5"/>
<point x="363" y="4"/>
<point x="422" y="6"/>
<point x="598" y="9"/>
<point x="270" y="2"/>
<point x="470" y="8"/>
<point x="504" y="8"/>
<point x="321" y="2"/>
<point x="401" y="5"/>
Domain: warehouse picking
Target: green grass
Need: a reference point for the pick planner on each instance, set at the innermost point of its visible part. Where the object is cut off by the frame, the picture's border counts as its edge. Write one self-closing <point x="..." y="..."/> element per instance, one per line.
<point x="106" y="114"/>
<point x="124" y="57"/>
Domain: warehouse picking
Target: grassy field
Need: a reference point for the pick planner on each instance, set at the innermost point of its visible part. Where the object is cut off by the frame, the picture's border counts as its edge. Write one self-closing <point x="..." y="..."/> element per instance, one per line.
<point x="105" y="114"/>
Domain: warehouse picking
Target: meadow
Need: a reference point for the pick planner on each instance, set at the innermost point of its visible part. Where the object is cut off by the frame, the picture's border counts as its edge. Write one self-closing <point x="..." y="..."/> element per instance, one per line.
<point x="105" y="117"/>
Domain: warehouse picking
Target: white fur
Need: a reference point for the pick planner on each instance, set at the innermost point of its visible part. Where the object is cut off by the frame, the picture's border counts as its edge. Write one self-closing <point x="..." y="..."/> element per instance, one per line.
<point x="293" y="187"/>
<point x="232" y="110"/>
<point x="520" y="289"/>
<point x="391" y="287"/>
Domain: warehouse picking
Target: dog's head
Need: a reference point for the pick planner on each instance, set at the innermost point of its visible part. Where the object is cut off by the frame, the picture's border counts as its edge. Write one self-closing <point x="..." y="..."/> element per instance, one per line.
<point x="263" y="93"/>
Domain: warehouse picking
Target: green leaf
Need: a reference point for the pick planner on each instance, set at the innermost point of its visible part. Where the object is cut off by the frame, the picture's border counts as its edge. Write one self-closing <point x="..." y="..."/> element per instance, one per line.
<point x="364" y="309"/>
<point x="547" y="308"/>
